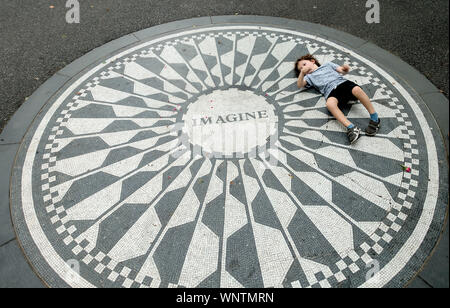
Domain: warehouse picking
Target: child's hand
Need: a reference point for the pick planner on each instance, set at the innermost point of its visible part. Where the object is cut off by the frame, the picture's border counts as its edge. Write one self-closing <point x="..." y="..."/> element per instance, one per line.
<point x="305" y="70"/>
<point x="345" y="68"/>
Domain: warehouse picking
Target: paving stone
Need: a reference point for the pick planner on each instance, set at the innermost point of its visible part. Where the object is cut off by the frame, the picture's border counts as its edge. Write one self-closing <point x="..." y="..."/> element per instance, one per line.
<point x="7" y="153"/>
<point x="15" y="272"/>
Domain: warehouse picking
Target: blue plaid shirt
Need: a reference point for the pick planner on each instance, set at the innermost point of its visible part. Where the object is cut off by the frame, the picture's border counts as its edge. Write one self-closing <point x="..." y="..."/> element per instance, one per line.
<point x="325" y="79"/>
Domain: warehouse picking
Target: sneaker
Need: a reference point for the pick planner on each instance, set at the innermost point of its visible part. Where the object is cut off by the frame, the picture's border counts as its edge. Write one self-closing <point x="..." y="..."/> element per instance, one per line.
<point x="353" y="134"/>
<point x="373" y="127"/>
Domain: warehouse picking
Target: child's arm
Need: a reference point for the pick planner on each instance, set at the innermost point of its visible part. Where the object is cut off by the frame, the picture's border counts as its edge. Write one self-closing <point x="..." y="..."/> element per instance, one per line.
<point x="301" y="83"/>
<point x="344" y="69"/>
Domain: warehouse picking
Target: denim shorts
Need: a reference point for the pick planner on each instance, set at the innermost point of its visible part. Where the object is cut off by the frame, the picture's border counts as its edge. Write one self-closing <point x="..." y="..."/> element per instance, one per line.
<point x="343" y="92"/>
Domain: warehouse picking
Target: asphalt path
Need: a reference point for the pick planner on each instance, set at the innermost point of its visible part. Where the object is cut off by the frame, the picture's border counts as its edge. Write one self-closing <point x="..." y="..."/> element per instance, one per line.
<point x="36" y="41"/>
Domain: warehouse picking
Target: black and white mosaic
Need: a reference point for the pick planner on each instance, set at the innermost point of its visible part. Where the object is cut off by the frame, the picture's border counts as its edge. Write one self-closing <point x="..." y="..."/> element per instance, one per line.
<point x="148" y="171"/>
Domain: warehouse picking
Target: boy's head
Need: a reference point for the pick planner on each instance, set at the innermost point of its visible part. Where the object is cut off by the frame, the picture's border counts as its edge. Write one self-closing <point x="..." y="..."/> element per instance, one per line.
<point x="306" y="61"/>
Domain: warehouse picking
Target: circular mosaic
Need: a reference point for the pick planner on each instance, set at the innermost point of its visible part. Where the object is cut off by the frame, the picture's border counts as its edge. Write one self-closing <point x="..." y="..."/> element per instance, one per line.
<point x="194" y="160"/>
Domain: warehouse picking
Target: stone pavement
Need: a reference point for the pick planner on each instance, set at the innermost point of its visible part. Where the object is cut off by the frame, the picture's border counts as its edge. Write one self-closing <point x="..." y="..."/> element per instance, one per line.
<point x="184" y="155"/>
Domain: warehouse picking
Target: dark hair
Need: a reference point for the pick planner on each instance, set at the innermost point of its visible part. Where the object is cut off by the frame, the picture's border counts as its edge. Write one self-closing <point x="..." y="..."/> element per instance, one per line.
<point x="305" y="57"/>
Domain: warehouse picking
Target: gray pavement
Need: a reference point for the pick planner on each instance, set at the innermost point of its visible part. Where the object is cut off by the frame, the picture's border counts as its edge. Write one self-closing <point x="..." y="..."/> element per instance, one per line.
<point x="39" y="42"/>
<point x="83" y="41"/>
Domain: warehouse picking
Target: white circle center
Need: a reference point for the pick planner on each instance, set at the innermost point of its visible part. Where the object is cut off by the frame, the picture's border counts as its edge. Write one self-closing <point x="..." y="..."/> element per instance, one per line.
<point x="230" y="121"/>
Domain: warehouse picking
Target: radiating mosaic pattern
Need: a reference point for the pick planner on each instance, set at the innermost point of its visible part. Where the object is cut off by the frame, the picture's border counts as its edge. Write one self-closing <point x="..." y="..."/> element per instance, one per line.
<point x="120" y="184"/>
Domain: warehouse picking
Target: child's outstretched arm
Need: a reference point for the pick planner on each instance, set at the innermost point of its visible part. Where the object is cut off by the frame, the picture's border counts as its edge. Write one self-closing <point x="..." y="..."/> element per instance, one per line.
<point x="344" y="69"/>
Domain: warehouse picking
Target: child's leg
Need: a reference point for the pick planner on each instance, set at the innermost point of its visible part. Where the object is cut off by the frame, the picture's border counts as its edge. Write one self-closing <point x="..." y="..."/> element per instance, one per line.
<point x="332" y="105"/>
<point x="364" y="99"/>
<point x="374" y="124"/>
